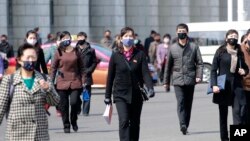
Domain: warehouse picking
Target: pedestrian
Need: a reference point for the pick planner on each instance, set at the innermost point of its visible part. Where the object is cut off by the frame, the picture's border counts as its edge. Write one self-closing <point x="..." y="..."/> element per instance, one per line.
<point x="116" y="42"/>
<point x="153" y="48"/>
<point x="24" y="101"/>
<point x="69" y="77"/>
<point x="31" y="38"/>
<point x="49" y="52"/>
<point x="245" y="47"/>
<point x="127" y="71"/>
<point x="90" y="62"/>
<point x="229" y="60"/>
<point x="184" y="62"/>
<point x="107" y="40"/>
<point x="161" y="55"/>
<point x="39" y="39"/>
<point x="138" y="44"/>
<point x="148" y="41"/>
<point x="6" y="47"/>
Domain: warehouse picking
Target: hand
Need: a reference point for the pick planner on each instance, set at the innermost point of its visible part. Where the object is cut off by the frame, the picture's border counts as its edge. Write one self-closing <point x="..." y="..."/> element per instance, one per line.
<point x="107" y="101"/>
<point x="198" y="80"/>
<point x="151" y="93"/>
<point x="44" y="85"/>
<point x="216" y="89"/>
<point x="167" y="87"/>
<point x="241" y="71"/>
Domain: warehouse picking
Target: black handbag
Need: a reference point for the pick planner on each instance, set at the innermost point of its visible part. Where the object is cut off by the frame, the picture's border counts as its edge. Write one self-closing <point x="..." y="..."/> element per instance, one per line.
<point x="144" y="92"/>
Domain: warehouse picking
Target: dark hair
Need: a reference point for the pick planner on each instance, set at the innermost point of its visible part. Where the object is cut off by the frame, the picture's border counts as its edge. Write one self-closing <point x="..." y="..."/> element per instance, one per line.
<point x="20" y="51"/>
<point x="82" y="34"/>
<point x="4" y="36"/>
<point x="248" y="32"/>
<point x="122" y="33"/>
<point x="182" y="25"/>
<point x="167" y="36"/>
<point x="36" y="29"/>
<point x="107" y="31"/>
<point x="63" y="34"/>
<point x="231" y="31"/>
<point x="157" y="34"/>
<point x="243" y="37"/>
<point x="28" y="34"/>
<point x="152" y="32"/>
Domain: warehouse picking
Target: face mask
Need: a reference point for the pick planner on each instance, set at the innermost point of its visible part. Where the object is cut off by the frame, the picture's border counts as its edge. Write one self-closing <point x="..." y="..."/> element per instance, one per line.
<point x="166" y="41"/>
<point x="182" y="36"/>
<point x="128" y="42"/>
<point x="136" y="41"/>
<point x="29" y="65"/>
<point x="232" y="41"/>
<point x="31" y="41"/>
<point x="81" y="42"/>
<point x="65" y="43"/>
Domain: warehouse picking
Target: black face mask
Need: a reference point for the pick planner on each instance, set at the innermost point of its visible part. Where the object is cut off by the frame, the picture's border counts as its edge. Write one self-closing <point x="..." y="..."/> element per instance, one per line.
<point x="232" y="41"/>
<point x="182" y="36"/>
<point x="81" y="42"/>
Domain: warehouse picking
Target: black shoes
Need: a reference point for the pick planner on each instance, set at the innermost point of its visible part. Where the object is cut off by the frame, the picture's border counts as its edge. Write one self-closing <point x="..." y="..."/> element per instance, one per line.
<point x="184" y="129"/>
<point x="67" y="128"/>
<point x="75" y="127"/>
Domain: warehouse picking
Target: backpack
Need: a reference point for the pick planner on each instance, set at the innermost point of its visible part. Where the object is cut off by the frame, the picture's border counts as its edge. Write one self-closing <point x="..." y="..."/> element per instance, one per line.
<point x="12" y="90"/>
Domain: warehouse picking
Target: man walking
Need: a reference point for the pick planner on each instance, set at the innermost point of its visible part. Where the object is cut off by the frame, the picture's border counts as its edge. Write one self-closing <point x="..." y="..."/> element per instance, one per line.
<point x="185" y="63"/>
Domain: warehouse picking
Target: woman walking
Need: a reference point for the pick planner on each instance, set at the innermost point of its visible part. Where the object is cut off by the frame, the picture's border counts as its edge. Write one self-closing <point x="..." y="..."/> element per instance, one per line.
<point x="229" y="60"/>
<point x="23" y="96"/>
<point x="128" y="70"/>
<point x="69" y="77"/>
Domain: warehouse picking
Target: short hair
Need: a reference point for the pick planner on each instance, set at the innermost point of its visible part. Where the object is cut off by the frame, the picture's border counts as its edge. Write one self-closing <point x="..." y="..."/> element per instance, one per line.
<point x="248" y="32"/>
<point x="82" y="34"/>
<point x="167" y="36"/>
<point x="36" y="29"/>
<point x="182" y="25"/>
<point x="157" y="34"/>
<point x="4" y="36"/>
<point x="153" y="32"/>
<point x="107" y="31"/>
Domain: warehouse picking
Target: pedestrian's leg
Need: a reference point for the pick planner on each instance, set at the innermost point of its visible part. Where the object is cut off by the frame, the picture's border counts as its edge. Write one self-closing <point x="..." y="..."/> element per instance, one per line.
<point x="123" y="115"/>
<point x="64" y="108"/>
<point x="236" y="108"/>
<point x="188" y="96"/>
<point x="248" y="107"/>
<point x="135" y="117"/>
<point x="223" y="110"/>
<point x="179" y="92"/>
<point x="74" y="95"/>
<point x="86" y="104"/>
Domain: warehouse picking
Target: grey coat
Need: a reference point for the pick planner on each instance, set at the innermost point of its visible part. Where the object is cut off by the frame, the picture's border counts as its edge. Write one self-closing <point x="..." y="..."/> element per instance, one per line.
<point x="27" y="120"/>
<point x="184" y="63"/>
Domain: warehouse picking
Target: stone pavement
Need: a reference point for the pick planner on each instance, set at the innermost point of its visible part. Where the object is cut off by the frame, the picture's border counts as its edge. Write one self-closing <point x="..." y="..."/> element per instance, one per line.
<point x="159" y="121"/>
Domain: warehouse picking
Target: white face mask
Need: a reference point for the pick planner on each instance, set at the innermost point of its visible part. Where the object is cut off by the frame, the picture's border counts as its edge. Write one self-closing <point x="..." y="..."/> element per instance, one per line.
<point x="31" y="41"/>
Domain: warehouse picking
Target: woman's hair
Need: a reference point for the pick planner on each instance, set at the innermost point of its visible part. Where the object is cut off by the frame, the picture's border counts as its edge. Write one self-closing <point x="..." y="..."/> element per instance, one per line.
<point x="167" y="36"/>
<point x="62" y="35"/>
<point x="32" y="32"/>
<point x="20" y="51"/>
<point x="122" y="33"/>
<point x="222" y="48"/>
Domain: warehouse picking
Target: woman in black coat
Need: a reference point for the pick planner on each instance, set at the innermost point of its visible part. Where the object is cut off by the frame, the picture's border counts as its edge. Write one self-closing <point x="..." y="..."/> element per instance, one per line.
<point x="229" y="60"/>
<point x="128" y="69"/>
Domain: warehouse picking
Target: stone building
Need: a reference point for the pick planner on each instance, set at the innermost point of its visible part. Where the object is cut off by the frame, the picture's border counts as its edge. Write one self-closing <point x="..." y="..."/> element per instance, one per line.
<point x="95" y="16"/>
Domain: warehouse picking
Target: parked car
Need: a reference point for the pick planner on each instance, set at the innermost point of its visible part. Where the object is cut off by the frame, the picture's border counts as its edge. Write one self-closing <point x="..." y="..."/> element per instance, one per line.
<point x="101" y="71"/>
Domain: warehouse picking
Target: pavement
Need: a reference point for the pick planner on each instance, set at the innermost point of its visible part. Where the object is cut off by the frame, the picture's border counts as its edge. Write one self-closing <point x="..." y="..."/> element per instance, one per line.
<point x="159" y="121"/>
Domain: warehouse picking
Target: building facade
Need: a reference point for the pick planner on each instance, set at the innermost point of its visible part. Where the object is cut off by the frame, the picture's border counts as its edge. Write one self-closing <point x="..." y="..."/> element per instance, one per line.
<point x="95" y="16"/>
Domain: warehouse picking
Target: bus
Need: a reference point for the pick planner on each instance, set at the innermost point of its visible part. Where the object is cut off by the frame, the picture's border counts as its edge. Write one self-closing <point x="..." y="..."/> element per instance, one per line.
<point x="210" y="35"/>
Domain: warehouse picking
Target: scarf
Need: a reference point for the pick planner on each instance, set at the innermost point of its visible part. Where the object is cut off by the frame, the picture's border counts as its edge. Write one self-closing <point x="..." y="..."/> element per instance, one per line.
<point x="234" y="58"/>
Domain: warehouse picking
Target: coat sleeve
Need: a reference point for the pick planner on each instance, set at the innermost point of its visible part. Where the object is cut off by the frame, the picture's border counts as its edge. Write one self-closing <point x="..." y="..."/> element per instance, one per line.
<point x="4" y="97"/>
<point x="168" y="68"/>
<point x="145" y="73"/>
<point x="43" y="64"/>
<point x="158" y="56"/>
<point x="199" y="63"/>
<point x="215" y="67"/>
<point x="244" y="65"/>
<point x="54" y="66"/>
<point x="82" y="68"/>
<point x="1" y="66"/>
<point x="111" y="76"/>
<point x="91" y="69"/>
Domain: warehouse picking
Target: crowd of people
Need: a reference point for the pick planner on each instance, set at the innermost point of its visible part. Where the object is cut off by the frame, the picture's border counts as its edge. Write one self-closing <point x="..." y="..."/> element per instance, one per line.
<point x="27" y="94"/>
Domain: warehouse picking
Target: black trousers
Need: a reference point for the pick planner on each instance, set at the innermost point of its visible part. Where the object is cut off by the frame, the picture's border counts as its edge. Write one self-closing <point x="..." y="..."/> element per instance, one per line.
<point x="239" y="107"/>
<point x="247" y="107"/>
<point x="223" y="112"/>
<point x="184" y="96"/>
<point x="86" y="104"/>
<point x="69" y="97"/>
<point x="129" y="120"/>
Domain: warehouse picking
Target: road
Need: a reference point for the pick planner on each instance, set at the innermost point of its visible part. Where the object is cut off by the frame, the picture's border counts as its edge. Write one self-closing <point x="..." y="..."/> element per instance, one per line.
<point x="159" y="121"/>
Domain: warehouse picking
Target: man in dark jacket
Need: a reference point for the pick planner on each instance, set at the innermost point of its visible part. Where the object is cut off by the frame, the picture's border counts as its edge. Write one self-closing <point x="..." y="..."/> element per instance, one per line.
<point x="148" y="41"/>
<point x="6" y="47"/>
<point x="185" y="63"/>
<point x="90" y="62"/>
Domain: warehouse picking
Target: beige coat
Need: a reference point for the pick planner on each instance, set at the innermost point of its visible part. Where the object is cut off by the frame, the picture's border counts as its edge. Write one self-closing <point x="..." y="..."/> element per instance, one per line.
<point x="246" y="79"/>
